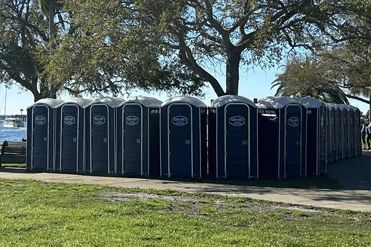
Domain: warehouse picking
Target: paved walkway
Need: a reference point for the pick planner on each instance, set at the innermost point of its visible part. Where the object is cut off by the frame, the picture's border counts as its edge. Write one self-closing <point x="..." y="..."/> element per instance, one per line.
<point x="355" y="173"/>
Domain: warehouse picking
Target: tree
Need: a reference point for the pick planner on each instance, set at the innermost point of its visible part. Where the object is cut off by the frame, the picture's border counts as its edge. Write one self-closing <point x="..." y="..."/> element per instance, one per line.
<point x="351" y="59"/>
<point x="344" y="66"/>
<point x="178" y="41"/>
<point x="309" y="76"/>
<point x="24" y="47"/>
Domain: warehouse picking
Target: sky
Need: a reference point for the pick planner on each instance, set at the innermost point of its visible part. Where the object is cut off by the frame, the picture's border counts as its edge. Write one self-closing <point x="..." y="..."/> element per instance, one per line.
<point x="254" y="83"/>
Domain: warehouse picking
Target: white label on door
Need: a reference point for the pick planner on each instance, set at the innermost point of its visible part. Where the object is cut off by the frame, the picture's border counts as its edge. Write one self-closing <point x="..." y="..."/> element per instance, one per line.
<point x="99" y="120"/>
<point x="40" y="120"/>
<point x="132" y="120"/>
<point x="237" y="121"/>
<point x="293" y="122"/>
<point x="179" y="120"/>
<point x="69" y="120"/>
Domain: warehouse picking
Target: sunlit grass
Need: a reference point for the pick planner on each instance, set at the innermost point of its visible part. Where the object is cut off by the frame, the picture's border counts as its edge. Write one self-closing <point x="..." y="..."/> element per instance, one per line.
<point x="48" y="214"/>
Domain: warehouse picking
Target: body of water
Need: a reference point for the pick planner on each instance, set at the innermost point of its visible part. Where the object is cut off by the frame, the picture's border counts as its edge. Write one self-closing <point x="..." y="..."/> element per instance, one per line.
<point x="12" y="134"/>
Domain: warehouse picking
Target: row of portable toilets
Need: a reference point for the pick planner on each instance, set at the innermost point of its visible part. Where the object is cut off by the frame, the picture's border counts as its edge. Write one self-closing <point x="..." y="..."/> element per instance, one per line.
<point x="274" y="138"/>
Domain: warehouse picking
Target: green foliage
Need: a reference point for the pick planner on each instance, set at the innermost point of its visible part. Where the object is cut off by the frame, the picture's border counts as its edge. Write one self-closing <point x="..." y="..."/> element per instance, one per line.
<point x="25" y="47"/>
<point x="116" y="46"/>
<point x="48" y="214"/>
<point x="110" y="52"/>
<point x="340" y="71"/>
<point x="170" y="45"/>
<point x="310" y="77"/>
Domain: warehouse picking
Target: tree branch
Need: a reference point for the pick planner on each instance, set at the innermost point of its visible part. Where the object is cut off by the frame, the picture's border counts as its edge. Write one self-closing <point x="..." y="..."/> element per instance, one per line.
<point x="188" y="59"/>
<point x="358" y="98"/>
<point x="210" y="17"/>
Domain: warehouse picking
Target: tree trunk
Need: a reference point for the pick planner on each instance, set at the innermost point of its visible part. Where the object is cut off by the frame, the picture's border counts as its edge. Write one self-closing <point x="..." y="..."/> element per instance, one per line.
<point x="52" y="28"/>
<point x="233" y="73"/>
<point x="36" y="96"/>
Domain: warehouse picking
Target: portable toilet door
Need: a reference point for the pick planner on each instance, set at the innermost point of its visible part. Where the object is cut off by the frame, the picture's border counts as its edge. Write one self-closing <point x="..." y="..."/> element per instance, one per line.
<point x="70" y="141"/>
<point x="236" y="143"/>
<point x="269" y="146"/>
<point x="294" y="141"/>
<point x="102" y="136"/>
<point x="316" y="136"/>
<point x="292" y="135"/>
<point x="138" y="129"/>
<point x="183" y="138"/>
<point x="41" y="141"/>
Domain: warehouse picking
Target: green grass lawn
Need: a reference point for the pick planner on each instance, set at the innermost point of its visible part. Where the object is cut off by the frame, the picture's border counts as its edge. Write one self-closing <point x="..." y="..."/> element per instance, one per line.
<point x="46" y="214"/>
<point x="14" y="165"/>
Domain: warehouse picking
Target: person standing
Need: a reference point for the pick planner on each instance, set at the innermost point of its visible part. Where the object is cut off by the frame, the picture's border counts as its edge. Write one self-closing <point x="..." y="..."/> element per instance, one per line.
<point x="363" y="133"/>
<point x="368" y="135"/>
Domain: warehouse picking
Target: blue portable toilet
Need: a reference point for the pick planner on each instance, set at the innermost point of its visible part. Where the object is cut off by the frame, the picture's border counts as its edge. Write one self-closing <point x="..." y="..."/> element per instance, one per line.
<point x="351" y="131"/>
<point x="316" y="136"/>
<point x="101" y="136"/>
<point x="356" y="131"/>
<point x="233" y="138"/>
<point x="268" y="136"/>
<point x="331" y="140"/>
<point x="183" y="138"/>
<point x="138" y="142"/>
<point x="292" y="121"/>
<point x="41" y="135"/>
<point x="71" y="134"/>
<point x="338" y="130"/>
<point x="344" y="131"/>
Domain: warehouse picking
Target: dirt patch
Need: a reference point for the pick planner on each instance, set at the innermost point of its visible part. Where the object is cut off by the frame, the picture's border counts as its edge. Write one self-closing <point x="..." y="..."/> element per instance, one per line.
<point x="127" y="197"/>
<point x="300" y="209"/>
<point x="194" y="205"/>
<point x="179" y="203"/>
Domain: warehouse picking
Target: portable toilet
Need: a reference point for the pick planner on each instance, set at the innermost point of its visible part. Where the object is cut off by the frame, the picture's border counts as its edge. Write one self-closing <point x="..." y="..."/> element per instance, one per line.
<point x="101" y="136"/>
<point x="71" y="134"/>
<point x="41" y="135"/>
<point x="183" y="138"/>
<point x="234" y="150"/>
<point x="291" y="136"/>
<point x="269" y="146"/>
<point x="331" y="140"/>
<point x="338" y="130"/>
<point x="316" y="136"/>
<point x="351" y="130"/>
<point x="344" y="131"/>
<point x="357" y="131"/>
<point x="138" y="152"/>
